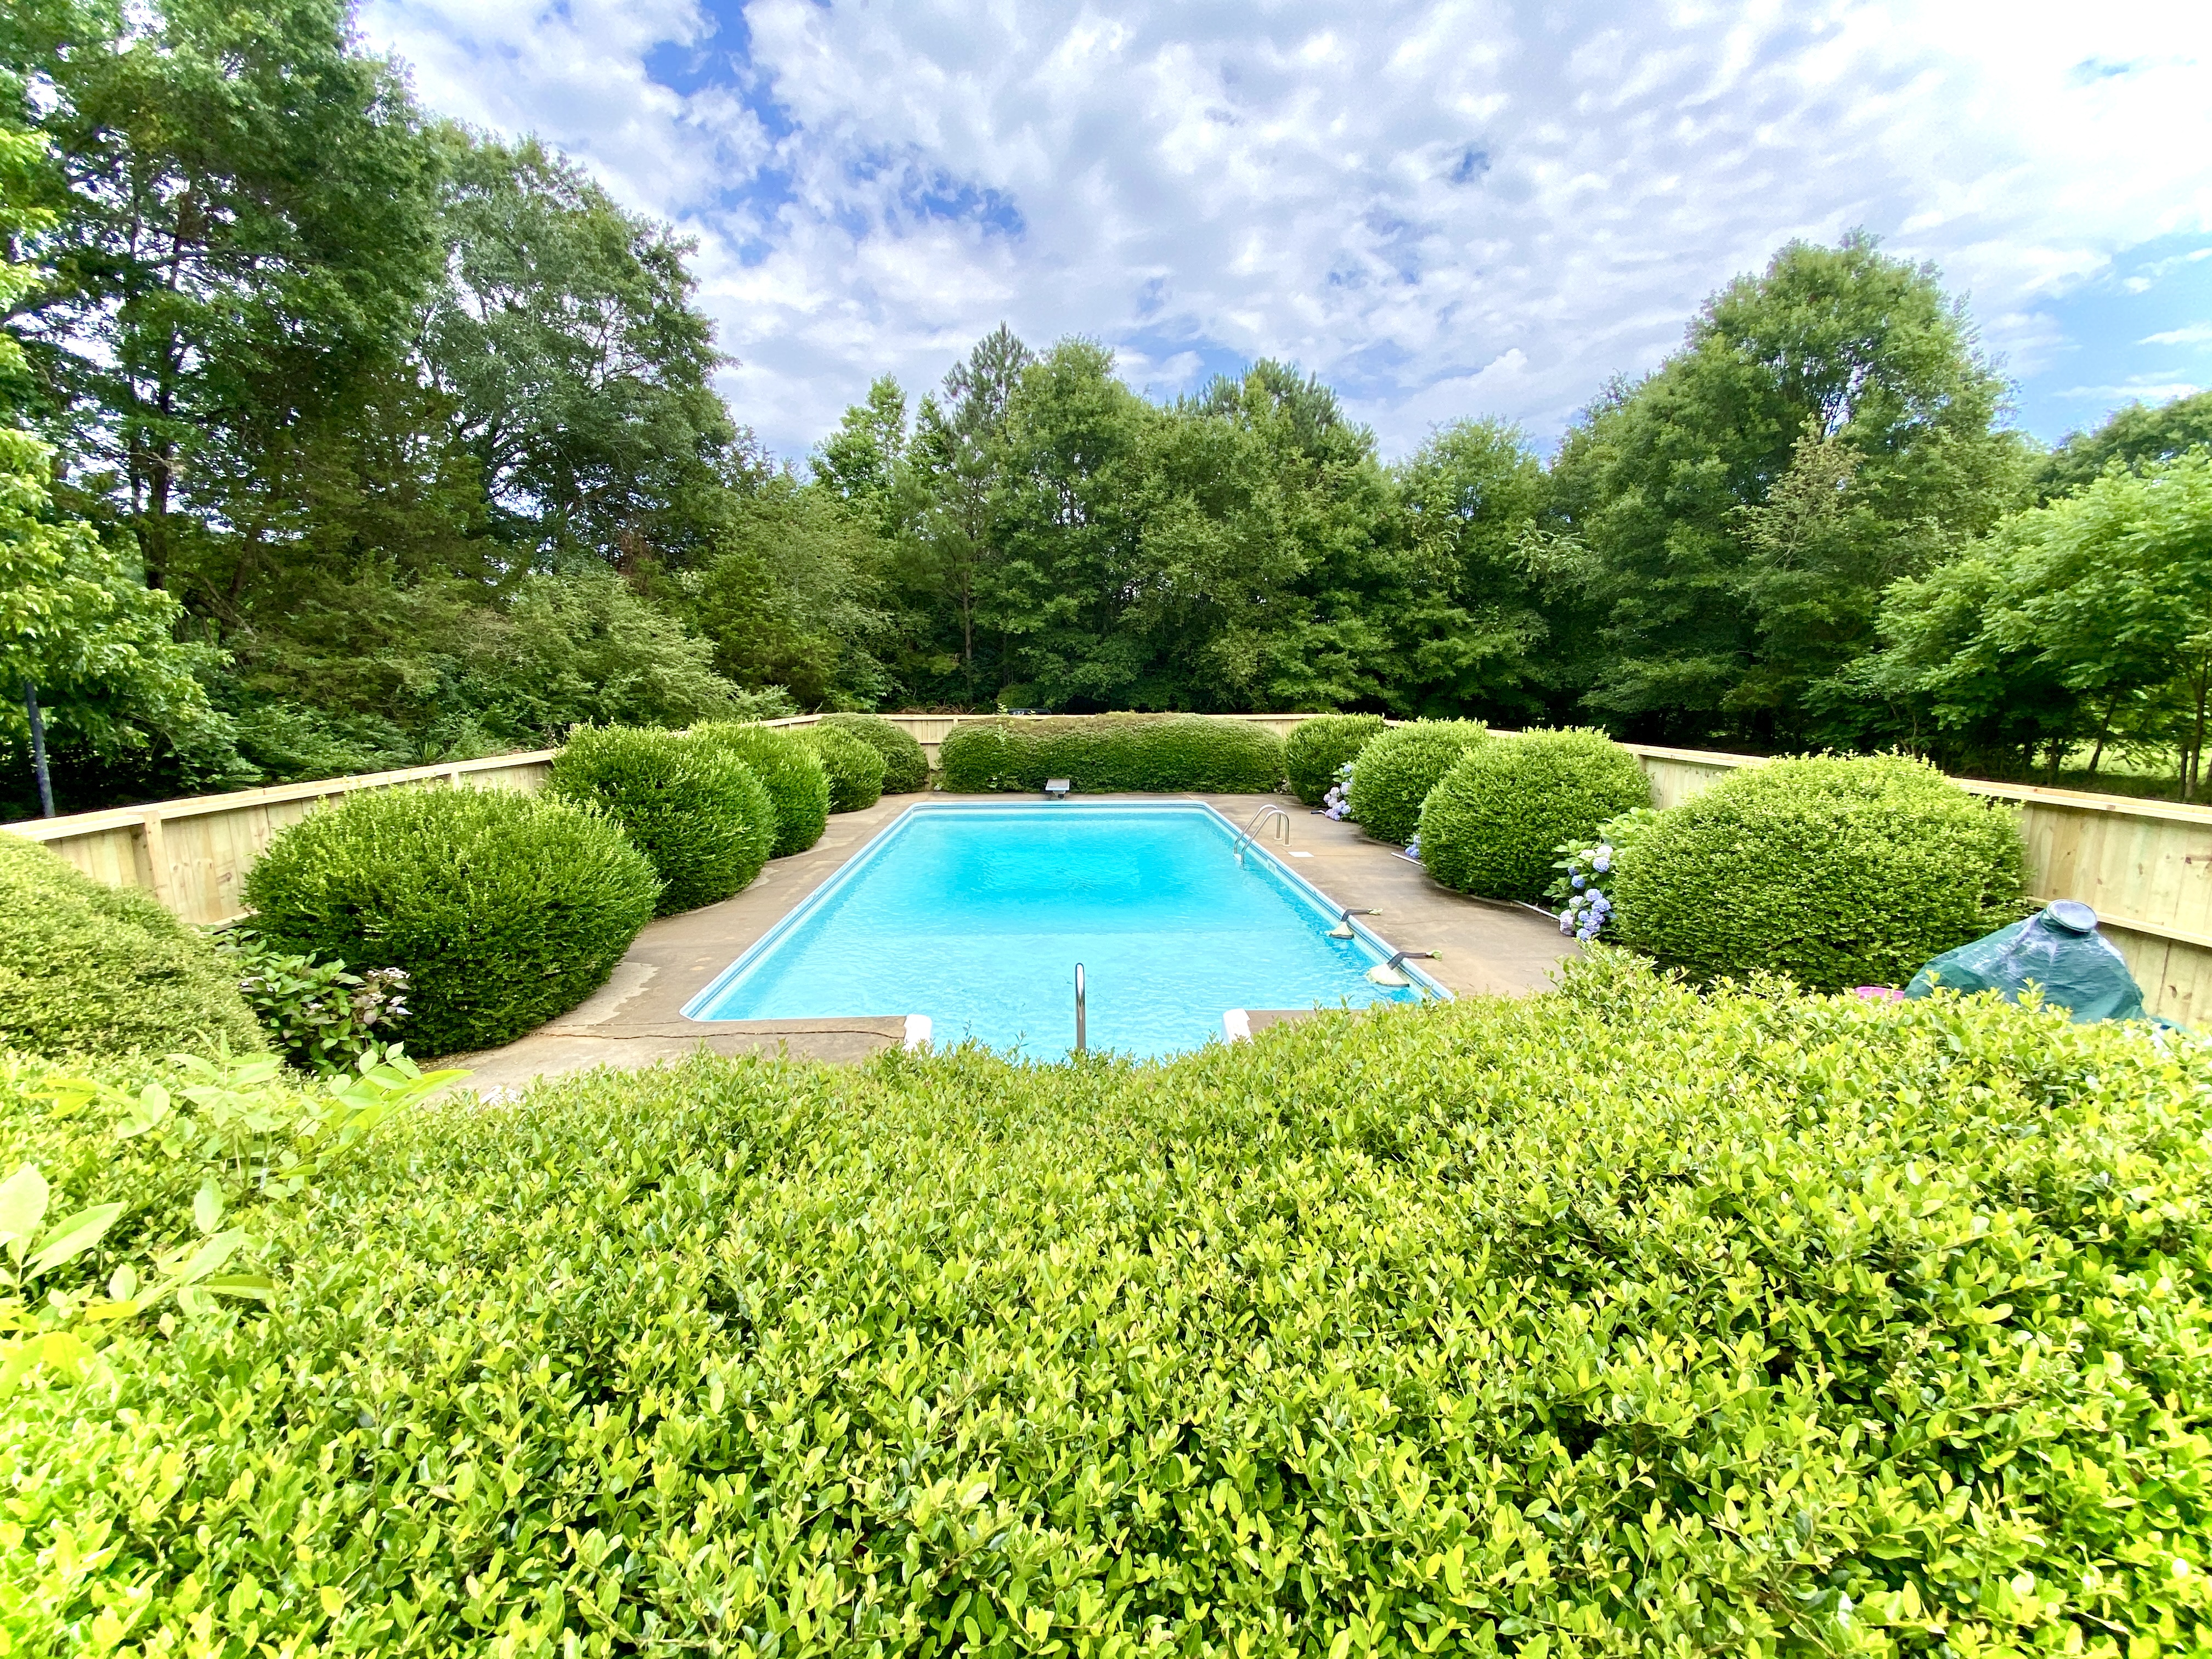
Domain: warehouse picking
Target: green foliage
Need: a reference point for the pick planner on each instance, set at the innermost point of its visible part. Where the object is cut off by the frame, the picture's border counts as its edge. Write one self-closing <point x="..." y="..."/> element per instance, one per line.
<point x="696" y="811"/>
<point x="504" y="909"/>
<point x="1835" y="871"/>
<point x="1395" y="771"/>
<point x="1317" y="748"/>
<point x="1102" y="753"/>
<point x="1848" y="1328"/>
<point x="1586" y="865"/>
<point x="906" y="766"/>
<point x="787" y="597"/>
<point x="1494" y="823"/>
<point x="1732" y="518"/>
<point x="855" y="767"/>
<point x="2135" y="437"/>
<point x="324" y="1018"/>
<point x="797" y="782"/>
<point x="89" y="968"/>
<point x="2082" y="622"/>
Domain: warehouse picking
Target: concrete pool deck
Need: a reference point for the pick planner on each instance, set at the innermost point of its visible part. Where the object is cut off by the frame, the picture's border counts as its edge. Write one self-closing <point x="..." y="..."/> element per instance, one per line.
<point x="637" y="1018"/>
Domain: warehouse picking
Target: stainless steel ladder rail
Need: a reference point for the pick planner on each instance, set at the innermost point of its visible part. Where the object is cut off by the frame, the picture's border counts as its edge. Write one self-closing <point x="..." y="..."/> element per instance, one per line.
<point x="1249" y="833"/>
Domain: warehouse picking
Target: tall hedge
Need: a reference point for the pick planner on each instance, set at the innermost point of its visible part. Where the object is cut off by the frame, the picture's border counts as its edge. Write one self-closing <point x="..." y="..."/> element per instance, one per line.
<point x="1102" y="753"/>
<point x="906" y="767"/>
<point x="1838" y="871"/>
<point x="1492" y="823"/>
<point x="696" y="811"/>
<point x="93" y="969"/>
<point x="798" y="783"/>
<point x="505" y="909"/>
<point x="1317" y="747"/>
<point x="1665" y="1325"/>
<point x="855" y="767"/>
<point x="1397" y="768"/>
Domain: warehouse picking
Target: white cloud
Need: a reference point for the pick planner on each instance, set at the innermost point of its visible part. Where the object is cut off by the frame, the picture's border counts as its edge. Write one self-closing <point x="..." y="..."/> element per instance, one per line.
<point x="1460" y="206"/>
<point x="2195" y="334"/>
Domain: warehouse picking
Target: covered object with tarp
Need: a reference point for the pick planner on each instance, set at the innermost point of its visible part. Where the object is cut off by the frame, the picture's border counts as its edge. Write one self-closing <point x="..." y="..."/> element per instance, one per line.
<point x="2058" y="950"/>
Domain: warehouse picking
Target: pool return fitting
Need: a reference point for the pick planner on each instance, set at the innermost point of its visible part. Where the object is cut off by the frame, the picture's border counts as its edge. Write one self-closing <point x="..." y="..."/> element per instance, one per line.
<point x="1390" y="973"/>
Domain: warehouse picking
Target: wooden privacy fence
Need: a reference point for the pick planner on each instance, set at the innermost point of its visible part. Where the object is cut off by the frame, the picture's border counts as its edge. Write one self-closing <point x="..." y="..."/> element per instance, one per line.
<point x="2145" y="866"/>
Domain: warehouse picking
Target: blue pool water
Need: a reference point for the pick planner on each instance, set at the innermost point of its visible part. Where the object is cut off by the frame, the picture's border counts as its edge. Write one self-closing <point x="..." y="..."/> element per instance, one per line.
<point x="976" y="916"/>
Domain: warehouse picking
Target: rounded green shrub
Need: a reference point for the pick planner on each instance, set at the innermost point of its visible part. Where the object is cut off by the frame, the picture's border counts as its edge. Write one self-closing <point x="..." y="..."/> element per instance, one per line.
<point x="696" y="811"/>
<point x="798" y="783"/>
<point x="906" y="768"/>
<point x="1317" y="747"/>
<point x="504" y="909"/>
<point x="86" y="969"/>
<point x="1104" y="753"/>
<point x="856" y="769"/>
<point x="1395" y="771"/>
<point x="1836" y="872"/>
<point x="1494" y="823"/>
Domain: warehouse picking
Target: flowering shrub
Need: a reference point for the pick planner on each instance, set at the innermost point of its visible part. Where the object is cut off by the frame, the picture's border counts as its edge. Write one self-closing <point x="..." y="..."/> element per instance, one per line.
<point x="323" y="1018"/>
<point x="1492" y="823"/>
<point x="1337" y="802"/>
<point x="1398" y="768"/>
<point x="1586" y="866"/>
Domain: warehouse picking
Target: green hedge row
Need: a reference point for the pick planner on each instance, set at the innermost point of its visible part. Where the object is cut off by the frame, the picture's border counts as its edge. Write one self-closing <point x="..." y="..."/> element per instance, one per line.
<point x="906" y="768"/>
<point x="504" y="909"/>
<point x="1397" y="768"/>
<point x="1627" y="1322"/>
<point x="1492" y="823"/>
<point x="1318" y="746"/>
<point x="1100" y="753"/>
<point x="1838" y="871"/>
<point x="89" y="968"/>
<point x="699" y="816"/>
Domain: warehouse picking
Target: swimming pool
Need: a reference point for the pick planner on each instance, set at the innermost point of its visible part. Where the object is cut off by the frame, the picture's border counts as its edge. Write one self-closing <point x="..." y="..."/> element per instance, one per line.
<point x="976" y="915"/>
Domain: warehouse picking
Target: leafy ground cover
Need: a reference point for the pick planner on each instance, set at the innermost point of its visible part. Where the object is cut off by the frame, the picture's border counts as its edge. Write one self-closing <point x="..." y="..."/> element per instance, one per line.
<point x="1623" y="1321"/>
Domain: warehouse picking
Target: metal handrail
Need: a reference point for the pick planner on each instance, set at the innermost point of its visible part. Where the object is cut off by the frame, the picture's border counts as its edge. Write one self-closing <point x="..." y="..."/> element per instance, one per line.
<point x="1246" y="834"/>
<point x="1079" y="1033"/>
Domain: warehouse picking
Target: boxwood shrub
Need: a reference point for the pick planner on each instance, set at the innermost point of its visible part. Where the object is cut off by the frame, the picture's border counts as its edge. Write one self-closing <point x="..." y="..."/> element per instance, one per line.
<point x="1838" y="871"/>
<point x="504" y="909"/>
<point x="798" y="783"/>
<point x="1317" y="747"/>
<point x="1395" y="771"/>
<point x="856" y="768"/>
<point x="1100" y="753"/>
<point x="696" y="811"/>
<point x="906" y="767"/>
<point x="1743" y="1324"/>
<point x="1492" y="823"/>
<point x="93" y="969"/>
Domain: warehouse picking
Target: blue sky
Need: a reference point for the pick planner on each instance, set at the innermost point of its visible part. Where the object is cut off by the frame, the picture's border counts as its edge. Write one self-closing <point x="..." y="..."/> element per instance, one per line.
<point x="1456" y="207"/>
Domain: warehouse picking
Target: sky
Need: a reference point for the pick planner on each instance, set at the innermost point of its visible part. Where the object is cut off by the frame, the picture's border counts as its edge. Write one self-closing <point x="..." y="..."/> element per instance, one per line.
<point x="1442" y="210"/>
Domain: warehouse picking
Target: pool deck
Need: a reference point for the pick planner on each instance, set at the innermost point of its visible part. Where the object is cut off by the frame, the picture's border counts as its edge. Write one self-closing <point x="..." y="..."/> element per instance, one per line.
<point x="637" y="1018"/>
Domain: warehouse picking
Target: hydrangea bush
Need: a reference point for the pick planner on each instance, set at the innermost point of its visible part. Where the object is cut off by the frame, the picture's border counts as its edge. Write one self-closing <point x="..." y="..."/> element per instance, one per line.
<point x="1586" y="866"/>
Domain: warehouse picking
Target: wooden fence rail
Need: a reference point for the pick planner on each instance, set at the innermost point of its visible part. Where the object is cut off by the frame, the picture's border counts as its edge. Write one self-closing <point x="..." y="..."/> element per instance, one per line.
<point x="2145" y="866"/>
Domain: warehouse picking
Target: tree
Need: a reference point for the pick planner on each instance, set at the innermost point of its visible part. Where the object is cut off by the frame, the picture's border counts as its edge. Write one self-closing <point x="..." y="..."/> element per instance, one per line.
<point x="238" y="224"/>
<point x="2079" y="622"/>
<point x="2139" y="435"/>
<point x="580" y="368"/>
<point x="788" y="598"/>
<point x="1836" y="364"/>
<point x="859" y="462"/>
<point x="86" y="650"/>
<point x="1473" y="626"/>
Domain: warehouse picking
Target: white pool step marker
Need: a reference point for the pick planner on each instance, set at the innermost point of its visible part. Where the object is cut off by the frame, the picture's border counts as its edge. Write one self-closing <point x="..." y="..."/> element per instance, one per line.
<point x="1237" y="1025"/>
<point x="917" y="1033"/>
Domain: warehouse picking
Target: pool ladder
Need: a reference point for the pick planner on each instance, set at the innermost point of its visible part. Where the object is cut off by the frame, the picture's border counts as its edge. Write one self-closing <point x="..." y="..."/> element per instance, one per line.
<point x="1249" y="834"/>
